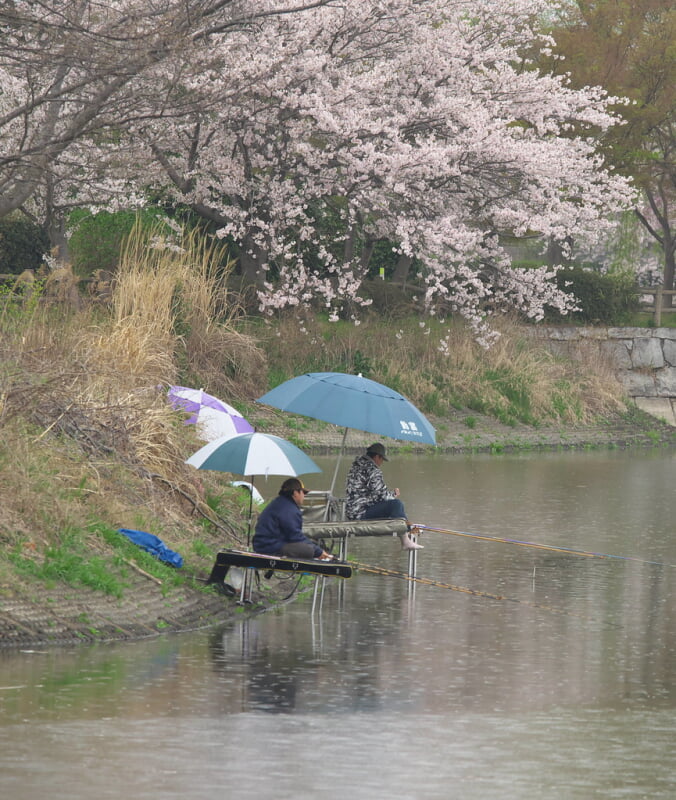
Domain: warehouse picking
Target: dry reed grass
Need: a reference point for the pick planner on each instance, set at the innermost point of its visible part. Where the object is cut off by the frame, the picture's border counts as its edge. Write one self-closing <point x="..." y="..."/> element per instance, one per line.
<point x="176" y="296"/>
<point x="83" y="392"/>
<point x="170" y="306"/>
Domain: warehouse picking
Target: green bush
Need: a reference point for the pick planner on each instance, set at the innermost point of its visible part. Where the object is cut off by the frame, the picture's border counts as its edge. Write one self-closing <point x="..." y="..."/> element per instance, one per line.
<point x="608" y="298"/>
<point x="23" y="244"/>
<point x="96" y="238"/>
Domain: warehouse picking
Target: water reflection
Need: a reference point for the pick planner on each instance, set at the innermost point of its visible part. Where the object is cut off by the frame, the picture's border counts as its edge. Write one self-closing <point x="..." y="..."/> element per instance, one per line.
<point x="566" y="637"/>
<point x="272" y="673"/>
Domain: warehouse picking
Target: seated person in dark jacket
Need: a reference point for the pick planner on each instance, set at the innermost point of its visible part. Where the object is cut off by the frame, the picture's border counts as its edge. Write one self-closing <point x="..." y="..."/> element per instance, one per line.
<point x="279" y="530"/>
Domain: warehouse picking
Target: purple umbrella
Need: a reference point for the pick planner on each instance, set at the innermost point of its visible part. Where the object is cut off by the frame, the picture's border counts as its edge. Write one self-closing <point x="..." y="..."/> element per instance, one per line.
<point x="213" y="417"/>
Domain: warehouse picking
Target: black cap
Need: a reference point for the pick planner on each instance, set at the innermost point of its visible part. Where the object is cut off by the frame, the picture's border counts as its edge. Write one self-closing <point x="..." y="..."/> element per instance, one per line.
<point x="377" y="449"/>
<point x="292" y="485"/>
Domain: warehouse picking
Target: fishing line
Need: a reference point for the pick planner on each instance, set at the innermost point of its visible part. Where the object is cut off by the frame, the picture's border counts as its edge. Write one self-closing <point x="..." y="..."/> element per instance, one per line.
<point x="552" y="548"/>
<point x="391" y="573"/>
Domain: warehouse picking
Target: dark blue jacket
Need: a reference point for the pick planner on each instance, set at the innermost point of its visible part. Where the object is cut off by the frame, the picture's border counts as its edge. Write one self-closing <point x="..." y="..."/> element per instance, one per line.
<point x="280" y="522"/>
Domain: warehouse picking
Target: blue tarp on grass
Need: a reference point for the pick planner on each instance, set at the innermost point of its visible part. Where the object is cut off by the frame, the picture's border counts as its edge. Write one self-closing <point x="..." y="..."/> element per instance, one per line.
<point x="153" y="544"/>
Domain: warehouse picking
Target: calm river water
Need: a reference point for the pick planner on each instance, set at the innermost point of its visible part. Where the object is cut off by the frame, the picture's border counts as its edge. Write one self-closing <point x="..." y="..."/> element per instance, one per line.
<point x="556" y="680"/>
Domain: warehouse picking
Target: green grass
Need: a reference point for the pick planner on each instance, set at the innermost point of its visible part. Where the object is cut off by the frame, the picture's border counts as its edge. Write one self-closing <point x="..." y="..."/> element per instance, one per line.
<point x="70" y="562"/>
<point x="201" y="549"/>
<point x="515" y="389"/>
<point x="646" y="319"/>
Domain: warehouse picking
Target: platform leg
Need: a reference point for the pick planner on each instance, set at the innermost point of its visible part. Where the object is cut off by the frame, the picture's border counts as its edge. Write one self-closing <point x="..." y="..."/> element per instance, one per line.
<point x="321" y="593"/>
<point x="412" y="558"/>
<point x="245" y="592"/>
<point x="410" y="596"/>
<point x="218" y="573"/>
<point x="314" y="596"/>
<point x="342" y="555"/>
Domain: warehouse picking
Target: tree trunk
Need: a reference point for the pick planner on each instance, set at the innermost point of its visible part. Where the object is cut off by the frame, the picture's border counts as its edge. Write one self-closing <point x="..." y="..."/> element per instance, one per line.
<point x="663" y="235"/>
<point x="348" y="247"/>
<point x="402" y="269"/>
<point x="555" y="253"/>
<point x="669" y="263"/>
<point x="58" y="241"/>
<point x="55" y="225"/>
<point x="251" y="260"/>
<point x="366" y="253"/>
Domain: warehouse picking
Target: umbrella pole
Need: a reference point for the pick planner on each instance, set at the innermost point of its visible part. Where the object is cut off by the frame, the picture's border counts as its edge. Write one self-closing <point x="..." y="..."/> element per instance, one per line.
<point x="248" y="527"/>
<point x="340" y="454"/>
<point x="246" y="577"/>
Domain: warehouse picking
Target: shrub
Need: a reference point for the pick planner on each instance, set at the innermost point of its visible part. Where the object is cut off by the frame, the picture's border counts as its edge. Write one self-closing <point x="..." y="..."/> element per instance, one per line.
<point x="23" y="244"/>
<point x="96" y="239"/>
<point x="388" y="299"/>
<point x="606" y="298"/>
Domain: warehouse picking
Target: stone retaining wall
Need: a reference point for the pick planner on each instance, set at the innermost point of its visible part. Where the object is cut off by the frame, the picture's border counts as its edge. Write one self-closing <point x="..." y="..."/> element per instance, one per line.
<point x="644" y="360"/>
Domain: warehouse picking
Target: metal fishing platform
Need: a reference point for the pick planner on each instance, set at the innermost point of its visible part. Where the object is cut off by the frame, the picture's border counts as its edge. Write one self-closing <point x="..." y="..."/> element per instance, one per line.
<point x="324" y="520"/>
<point x="249" y="560"/>
<point x="244" y="559"/>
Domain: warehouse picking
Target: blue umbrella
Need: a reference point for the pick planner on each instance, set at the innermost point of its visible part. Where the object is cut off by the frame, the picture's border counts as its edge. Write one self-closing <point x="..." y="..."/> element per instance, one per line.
<point x="352" y="401"/>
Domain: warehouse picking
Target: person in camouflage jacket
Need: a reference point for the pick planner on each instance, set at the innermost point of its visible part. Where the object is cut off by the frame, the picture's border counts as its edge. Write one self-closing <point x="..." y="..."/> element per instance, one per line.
<point x="367" y="496"/>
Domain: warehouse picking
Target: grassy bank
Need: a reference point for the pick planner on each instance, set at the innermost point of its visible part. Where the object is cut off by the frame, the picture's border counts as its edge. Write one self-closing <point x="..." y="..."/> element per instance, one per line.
<point x="89" y="443"/>
<point x="440" y="367"/>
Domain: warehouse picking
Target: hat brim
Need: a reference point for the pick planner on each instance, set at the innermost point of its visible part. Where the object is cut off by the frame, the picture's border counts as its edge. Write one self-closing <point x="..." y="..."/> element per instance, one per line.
<point x="376" y="453"/>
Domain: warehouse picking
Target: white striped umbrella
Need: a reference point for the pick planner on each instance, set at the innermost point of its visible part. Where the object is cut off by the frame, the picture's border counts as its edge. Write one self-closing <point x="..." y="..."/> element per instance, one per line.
<point x="253" y="454"/>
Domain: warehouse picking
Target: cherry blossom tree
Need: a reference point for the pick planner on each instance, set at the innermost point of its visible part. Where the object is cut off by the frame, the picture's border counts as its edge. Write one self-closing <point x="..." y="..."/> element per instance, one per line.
<point x="307" y="132"/>
<point x="418" y="123"/>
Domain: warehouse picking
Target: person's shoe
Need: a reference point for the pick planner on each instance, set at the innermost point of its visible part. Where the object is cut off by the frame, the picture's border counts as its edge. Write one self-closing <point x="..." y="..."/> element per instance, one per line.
<point x="408" y="544"/>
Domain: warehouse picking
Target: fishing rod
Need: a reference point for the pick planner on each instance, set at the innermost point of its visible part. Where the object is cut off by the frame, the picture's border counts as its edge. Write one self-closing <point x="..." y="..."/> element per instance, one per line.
<point x="551" y="548"/>
<point x="391" y="573"/>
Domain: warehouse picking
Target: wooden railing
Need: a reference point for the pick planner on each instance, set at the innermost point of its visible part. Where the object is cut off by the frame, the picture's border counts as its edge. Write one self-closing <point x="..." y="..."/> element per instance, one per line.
<point x="659" y="294"/>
